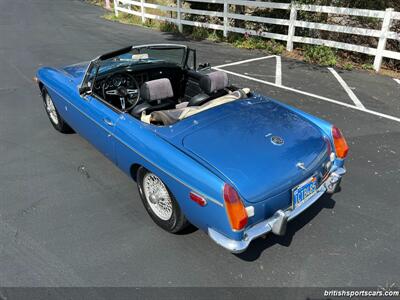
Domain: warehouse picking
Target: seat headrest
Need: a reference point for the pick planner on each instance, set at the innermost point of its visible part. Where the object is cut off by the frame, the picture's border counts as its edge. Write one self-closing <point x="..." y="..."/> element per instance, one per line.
<point x="214" y="81"/>
<point x="158" y="89"/>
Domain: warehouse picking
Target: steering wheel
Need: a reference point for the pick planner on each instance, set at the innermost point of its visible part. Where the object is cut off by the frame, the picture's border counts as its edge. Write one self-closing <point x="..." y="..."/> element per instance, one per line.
<point x="129" y="96"/>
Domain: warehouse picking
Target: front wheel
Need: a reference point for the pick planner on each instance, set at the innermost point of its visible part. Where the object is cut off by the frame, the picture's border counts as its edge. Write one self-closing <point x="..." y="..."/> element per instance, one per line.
<point x="159" y="202"/>
<point x="56" y="120"/>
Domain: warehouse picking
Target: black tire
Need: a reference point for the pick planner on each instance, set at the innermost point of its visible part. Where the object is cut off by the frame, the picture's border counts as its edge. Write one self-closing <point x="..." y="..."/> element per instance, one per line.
<point x="177" y="221"/>
<point x="55" y="119"/>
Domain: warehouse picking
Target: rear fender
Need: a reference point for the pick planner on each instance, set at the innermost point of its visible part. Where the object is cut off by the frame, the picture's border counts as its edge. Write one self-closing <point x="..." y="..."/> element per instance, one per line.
<point x="137" y="144"/>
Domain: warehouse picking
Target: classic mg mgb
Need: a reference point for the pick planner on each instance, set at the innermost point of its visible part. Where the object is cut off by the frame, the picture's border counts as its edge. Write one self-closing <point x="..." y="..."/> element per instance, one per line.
<point x="234" y="163"/>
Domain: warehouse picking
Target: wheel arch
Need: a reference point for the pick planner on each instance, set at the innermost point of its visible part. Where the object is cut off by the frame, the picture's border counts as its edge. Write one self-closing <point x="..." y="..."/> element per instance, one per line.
<point x="41" y="86"/>
<point x="134" y="170"/>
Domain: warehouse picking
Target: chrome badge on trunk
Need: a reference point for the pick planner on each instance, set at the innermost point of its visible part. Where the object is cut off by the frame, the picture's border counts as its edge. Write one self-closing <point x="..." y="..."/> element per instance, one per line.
<point x="277" y="140"/>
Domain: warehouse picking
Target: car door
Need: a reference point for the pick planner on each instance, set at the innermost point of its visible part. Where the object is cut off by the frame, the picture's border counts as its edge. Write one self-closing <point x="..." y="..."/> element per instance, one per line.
<point x="95" y="120"/>
<point x="105" y="118"/>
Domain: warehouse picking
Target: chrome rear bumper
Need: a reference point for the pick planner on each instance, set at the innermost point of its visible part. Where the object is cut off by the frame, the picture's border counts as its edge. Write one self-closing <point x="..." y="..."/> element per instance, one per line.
<point x="277" y="223"/>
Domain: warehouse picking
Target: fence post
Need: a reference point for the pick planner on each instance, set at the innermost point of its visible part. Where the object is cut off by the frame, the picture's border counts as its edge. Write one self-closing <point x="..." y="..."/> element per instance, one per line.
<point x="226" y="18"/>
<point x="116" y="8"/>
<point x="291" y="30"/>
<point x="382" y="39"/>
<point x="142" y="10"/>
<point x="179" y="15"/>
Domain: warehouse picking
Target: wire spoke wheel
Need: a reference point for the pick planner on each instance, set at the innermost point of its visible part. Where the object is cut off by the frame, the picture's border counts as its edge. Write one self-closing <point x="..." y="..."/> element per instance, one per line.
<point x="51" y="109"/>
<point x="159" y="202"/>
<point x="157" y="196"/>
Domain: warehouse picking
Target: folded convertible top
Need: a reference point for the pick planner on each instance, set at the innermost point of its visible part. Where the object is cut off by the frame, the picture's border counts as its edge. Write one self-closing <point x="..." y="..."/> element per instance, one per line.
<point x="171" y="116"/>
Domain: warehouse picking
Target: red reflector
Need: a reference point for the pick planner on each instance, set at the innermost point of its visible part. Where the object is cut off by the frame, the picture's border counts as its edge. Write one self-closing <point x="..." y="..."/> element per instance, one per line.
<point x="198" y="199"/>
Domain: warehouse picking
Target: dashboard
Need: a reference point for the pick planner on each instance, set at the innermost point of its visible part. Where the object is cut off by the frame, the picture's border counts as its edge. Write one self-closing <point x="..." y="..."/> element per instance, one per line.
<point x="120" y="79"/>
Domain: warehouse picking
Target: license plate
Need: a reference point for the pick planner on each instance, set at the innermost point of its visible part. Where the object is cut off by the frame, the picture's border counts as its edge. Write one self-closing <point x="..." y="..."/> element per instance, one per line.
<point x="304" y="191"/>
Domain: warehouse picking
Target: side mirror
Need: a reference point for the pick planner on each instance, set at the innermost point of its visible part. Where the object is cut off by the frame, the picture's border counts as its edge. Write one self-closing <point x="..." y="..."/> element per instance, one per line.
<point x="204" y="66"/>
<point x="84" y="90"/>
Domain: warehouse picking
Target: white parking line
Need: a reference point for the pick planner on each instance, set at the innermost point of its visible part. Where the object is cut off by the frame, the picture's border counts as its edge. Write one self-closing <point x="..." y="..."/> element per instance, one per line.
<point x="278" y="68"/>
<point x="349" y="92"/>
<point x="397" y="80"/>
<point x="244" y="61"/>
<point x="278" y="71"/>
<point x="311" y="95"/>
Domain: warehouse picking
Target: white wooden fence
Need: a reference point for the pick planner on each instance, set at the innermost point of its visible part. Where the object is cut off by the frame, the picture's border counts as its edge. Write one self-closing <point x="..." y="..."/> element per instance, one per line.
<point x="138" y="8"/>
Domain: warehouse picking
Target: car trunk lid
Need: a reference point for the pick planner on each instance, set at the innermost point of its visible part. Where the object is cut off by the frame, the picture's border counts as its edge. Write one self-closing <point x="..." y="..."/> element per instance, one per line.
<point x="257" y="147"/>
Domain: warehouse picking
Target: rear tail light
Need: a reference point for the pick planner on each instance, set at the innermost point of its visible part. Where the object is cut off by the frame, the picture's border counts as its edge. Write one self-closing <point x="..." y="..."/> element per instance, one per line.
<point x="341" y="147"/>
<point x="235" y="209"/>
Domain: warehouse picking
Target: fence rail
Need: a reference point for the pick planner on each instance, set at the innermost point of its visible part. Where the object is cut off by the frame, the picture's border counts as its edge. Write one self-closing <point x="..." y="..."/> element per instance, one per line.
<point x="138" y="8"/>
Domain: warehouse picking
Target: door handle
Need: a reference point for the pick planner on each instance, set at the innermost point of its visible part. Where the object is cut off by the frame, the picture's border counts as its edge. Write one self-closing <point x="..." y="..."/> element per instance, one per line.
<point x="108" y="122"/>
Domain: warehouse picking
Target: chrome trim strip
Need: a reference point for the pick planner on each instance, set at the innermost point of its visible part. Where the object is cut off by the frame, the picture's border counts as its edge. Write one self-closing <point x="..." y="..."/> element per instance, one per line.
<point x="141" y="155"/>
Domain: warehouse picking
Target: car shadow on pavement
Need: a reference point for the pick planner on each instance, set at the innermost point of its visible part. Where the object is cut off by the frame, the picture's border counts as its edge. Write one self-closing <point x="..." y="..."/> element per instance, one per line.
<point x="259" y="245"/>
<point x="188" y="230"/>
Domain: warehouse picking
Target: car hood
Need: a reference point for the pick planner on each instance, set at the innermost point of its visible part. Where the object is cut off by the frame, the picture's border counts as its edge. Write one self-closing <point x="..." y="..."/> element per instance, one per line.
<point x="240" y="146"/>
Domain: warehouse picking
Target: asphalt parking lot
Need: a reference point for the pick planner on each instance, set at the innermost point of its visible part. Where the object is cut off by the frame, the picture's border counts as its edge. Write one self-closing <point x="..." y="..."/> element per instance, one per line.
<point x="69" y="217"/>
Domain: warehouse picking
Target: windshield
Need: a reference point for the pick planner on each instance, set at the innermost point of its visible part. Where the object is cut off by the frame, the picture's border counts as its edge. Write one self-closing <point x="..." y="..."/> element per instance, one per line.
<point x="131" y="56"/>
<point x="145" y="55"/>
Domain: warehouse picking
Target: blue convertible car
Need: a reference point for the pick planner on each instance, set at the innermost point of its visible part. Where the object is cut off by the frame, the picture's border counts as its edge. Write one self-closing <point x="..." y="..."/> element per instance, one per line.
<point x="234" y="163"/>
